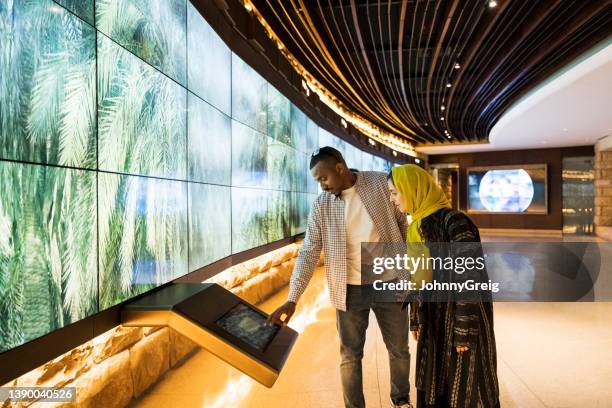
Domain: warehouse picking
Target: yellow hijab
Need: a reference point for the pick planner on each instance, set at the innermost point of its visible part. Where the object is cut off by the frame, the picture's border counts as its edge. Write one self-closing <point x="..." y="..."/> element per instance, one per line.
<point x="422" y="197"/>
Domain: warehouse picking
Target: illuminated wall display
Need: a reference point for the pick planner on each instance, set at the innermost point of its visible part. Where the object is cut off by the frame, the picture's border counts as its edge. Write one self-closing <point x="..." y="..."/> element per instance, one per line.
<point x="508" y="189"/>
<point x="135" y="152"/>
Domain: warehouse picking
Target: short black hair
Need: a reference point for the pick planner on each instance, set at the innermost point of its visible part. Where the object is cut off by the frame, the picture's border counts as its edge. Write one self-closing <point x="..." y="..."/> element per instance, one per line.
<point x="326" y="154"/>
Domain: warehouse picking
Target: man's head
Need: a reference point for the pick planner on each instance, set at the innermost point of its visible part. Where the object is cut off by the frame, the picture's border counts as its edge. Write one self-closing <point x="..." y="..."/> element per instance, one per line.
<point x="328" y="168"/>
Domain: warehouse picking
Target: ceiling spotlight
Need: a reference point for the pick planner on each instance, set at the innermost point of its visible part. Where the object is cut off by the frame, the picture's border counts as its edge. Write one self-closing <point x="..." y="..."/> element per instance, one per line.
<point x="395" y="153"/>
<point x="448" y="136"/>
<point x="373" y="143"/>
<point x="417" y="161"/>
<point x="248" y="6"/>
<point x="343" y="122"/>
<point x="442" y="107"/>
<point x="448" y="85"/>
<point x="492" y="4"/>
<point x="442" y="118"/>
<point x="457" y="66"/>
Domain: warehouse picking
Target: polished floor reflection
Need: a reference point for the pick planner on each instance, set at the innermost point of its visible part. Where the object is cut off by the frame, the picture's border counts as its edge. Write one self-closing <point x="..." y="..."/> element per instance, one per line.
<point x="550" y="355"/>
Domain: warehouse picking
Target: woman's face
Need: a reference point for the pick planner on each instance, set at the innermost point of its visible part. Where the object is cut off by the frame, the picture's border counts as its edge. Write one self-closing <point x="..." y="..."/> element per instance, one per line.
<point x="396" y="197"/>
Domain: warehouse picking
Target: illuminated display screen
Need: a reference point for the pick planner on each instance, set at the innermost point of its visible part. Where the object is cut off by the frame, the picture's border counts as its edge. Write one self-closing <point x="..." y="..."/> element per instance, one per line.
<point x="130" y="156"/>
<point x="248" y="325"/>
<point x="508" y="190"/>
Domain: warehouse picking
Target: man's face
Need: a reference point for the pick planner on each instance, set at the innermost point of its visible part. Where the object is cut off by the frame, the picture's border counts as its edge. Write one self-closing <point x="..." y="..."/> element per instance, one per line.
<point x="329" y="176"/>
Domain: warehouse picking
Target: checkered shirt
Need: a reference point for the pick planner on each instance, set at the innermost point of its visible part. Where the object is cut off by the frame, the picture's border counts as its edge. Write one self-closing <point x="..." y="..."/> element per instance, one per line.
<point x="326" y="230"/>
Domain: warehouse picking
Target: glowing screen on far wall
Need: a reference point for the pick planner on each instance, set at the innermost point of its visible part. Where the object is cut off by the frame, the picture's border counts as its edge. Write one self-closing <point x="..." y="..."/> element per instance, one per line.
<point x="507" y="190"/>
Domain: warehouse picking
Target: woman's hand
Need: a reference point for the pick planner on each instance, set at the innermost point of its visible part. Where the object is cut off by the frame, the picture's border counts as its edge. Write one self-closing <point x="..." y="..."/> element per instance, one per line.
<point x="461" y="349"/>
<point x="415" y="334"/>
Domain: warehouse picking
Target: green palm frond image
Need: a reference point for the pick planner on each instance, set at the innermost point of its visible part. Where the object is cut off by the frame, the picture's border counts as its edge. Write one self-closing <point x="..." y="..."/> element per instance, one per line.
<point x="210" y="63"/>
<point x="249" y="157"/>
<point x="249" y="96"/>
<point x="250" y="219"/>
<point x="279" y="117"/>
<point x="47" y="250"/>
<point x="82" y="8"/>
<point x="210" y="227"/>
<point x="279" y="215"/>
<point x="210" y="143"/>
<point x="154" y="30"/>
<point x="141" y="117"/>
<point x="142" y="234"/>
<point x="47" y="85"/>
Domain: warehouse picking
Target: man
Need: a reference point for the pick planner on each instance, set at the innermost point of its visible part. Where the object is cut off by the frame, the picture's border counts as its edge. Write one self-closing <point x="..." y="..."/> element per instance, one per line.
<point x="354" y="207"/>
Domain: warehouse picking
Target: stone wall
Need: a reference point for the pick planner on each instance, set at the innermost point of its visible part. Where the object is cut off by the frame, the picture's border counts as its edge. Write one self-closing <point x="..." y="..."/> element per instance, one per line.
<point x="118" y="366"/>
<point x="603" y="193"/>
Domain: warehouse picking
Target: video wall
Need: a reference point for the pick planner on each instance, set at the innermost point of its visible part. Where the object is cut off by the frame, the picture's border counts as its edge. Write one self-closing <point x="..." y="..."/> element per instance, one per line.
<point x="508" y="189"/>
<point x="133" y="152"/>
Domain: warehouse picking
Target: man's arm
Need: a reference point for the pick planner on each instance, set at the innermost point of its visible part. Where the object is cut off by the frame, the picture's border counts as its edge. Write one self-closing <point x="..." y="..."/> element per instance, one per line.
<point x="308" y="256"/>
<point x="305" y="264"/>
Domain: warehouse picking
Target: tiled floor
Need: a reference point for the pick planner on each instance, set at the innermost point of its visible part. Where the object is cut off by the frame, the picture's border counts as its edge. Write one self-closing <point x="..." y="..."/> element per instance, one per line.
<point x="549" y="355"/>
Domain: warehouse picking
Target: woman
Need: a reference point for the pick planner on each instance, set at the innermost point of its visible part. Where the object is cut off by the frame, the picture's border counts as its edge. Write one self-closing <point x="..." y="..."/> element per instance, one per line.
<point x="456" y="357"/>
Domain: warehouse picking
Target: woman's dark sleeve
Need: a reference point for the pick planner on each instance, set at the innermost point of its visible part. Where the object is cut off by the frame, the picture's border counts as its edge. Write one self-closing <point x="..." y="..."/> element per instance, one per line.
<point x="465" y="243"/>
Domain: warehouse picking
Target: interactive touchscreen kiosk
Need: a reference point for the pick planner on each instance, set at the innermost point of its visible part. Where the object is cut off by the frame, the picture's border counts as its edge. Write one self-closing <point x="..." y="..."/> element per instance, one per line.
<point x="220" y="322"/>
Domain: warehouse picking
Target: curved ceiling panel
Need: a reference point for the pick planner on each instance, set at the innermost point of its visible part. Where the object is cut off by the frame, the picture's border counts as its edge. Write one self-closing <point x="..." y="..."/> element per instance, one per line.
<point x="435" y="71"/>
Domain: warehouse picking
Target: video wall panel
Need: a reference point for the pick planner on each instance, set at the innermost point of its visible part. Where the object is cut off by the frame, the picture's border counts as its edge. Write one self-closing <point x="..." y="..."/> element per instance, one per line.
<point x="154" y="30"/>
<point x="209" y="143"/>
<point x="132" y="153"/>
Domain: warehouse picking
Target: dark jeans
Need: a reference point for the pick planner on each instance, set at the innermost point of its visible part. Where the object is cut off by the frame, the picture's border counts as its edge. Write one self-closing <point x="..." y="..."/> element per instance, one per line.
<point x="352" y="325"/>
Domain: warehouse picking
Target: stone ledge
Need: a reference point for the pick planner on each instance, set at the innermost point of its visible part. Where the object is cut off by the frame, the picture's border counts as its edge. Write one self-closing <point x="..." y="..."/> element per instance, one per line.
<point x="604" y="232"/>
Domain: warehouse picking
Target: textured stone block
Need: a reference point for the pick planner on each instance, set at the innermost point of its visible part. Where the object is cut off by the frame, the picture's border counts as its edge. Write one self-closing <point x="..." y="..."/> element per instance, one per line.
<point x="601" y="220"/>
<point x="282" y="254"/>
<point x="60" y="371"/>
<point x="120" y="339"/>
<point x="234" y="276"/>
<point x="603" y="183"/>
<point x="107" y="385"/>
<point x="603" y="201"/>
<point x="150" y="330"/>
<point x="149" y="360"/>
<point x="180" y="347"/>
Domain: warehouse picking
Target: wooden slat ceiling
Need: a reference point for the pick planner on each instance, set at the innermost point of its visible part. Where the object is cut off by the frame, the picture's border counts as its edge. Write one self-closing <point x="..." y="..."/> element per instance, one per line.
<point x="395" y="62"/>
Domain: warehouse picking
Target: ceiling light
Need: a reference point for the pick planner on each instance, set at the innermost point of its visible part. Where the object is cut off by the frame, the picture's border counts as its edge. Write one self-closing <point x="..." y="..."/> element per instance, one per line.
<point x="395" y="153"/>
<point x="448" y="85"/>
<point x="417" y="161"/>
<point x="248" y="6"/>
<point x="373" y="143"/>
<point x="441" y="118"/>
<point x="442" y="107"/>
<point x="492" y="4"/>
<point x="457" y="66"/>
<point x="343" y="122"/>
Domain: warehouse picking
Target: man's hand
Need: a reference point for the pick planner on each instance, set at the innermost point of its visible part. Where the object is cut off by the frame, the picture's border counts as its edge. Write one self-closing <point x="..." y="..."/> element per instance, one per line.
<point x="287" y="309"/>
<point x="461" y="349"/>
